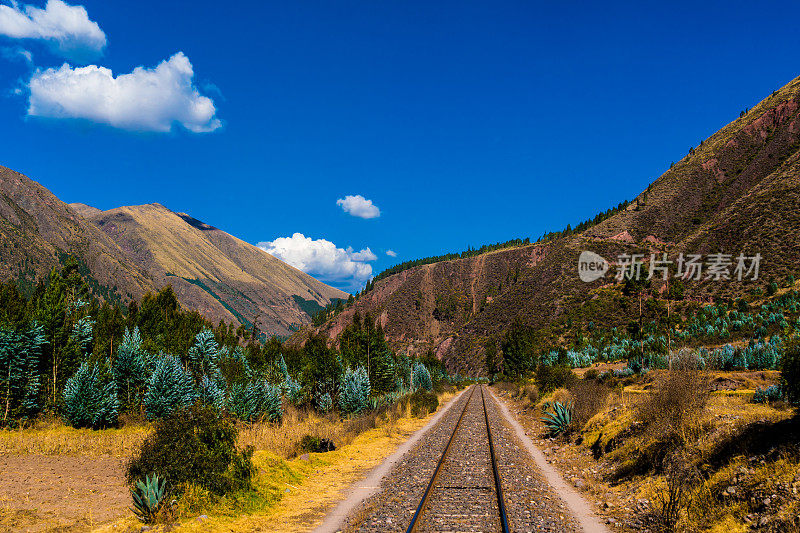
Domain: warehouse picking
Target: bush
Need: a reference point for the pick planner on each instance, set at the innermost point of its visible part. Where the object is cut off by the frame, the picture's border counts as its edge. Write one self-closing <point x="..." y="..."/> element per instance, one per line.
<point x="314" y="444"/>
<point x="550" y="378"/>
<point x="194" y="445"/>
<point x="354" y="393"/>
<point x="557" y="418"/>
<point x="589" y="397"/>
<point x="422" y="403"/>
<point x="420" y="377"/>
<point x="773" y="393"/>
<point x="88" y="402"/>
<point x="324" y="402"/>
<point x="790" y="373"/>
<point x="530" y="392"/>
<point x="672" y="414"/>
<point x="148" y="498"/>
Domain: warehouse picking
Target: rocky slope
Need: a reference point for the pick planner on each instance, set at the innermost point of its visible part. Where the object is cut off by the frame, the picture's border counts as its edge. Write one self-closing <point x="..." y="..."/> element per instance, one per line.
<point x="128" y="251"/>
<point x="212" y="271"/>
<point x="739" y="192"/>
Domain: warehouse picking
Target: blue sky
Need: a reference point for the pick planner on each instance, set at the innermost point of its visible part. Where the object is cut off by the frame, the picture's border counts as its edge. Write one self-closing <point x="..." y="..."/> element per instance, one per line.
<point x="464" y="123"/>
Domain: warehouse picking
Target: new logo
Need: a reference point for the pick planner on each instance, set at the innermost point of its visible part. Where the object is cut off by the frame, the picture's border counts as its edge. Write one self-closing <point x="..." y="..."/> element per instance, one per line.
<point x="591" y="266"/>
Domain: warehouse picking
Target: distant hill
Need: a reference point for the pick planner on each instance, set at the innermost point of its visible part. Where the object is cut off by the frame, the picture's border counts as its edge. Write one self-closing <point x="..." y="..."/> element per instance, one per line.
<point x="739" y="192"/>
<point x="128" y="251"/>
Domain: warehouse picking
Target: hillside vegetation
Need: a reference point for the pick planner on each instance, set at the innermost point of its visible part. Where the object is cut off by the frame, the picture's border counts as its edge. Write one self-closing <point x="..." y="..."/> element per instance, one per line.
<point x="738" y="192"/>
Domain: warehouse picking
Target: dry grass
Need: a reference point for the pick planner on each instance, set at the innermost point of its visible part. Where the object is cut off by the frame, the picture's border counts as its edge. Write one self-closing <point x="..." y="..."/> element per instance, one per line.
<point x="52" y="437"/>
<point x="294" y="494"/>
<point x="284" y="439"/>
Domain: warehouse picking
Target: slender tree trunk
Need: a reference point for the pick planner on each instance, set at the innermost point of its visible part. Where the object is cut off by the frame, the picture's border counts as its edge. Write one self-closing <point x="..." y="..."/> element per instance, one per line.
<point x="8" y="393"/>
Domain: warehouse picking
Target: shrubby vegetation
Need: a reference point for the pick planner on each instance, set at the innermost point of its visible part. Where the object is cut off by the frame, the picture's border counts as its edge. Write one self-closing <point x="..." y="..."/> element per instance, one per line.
<point x="63" y="352"/>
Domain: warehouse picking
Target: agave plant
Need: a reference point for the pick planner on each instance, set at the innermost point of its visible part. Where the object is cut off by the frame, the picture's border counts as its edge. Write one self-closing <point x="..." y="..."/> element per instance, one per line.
<point x="558" y="418"/>
<point x="148" y="497"/>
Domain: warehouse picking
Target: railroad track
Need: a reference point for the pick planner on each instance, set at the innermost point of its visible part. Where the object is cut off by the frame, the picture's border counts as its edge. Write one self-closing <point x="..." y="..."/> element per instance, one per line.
<point x="465" y="492"/>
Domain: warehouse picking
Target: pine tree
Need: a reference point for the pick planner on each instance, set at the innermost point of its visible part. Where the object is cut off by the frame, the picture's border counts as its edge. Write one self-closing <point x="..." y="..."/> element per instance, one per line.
<point x="130" y="368"/>
<point x="89" y="401"/>
<point x="212" y="391"/>
<point x="354" y="391"/>
<point x="82" y="334"/>
<point x="169" y="388"/>
<point x="11" y="370"/>
<point x="31" y="351"/>
<point x="421" y="377"/>
<point x="203" y="353"/>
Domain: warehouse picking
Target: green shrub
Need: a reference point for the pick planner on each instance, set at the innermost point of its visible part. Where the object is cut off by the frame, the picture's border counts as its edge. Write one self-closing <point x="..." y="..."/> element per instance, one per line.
<point x="557" y="418"/>
<point x="790" y="372"/>
<point x="314" y="444"/>
<point x="422" y="403"/>
<point x="550" y="378"/>
<point x="88" y="401"/>
<point x="148" y="498"/>
<point x="324" y="402"/>
<point x="194" y="445"/>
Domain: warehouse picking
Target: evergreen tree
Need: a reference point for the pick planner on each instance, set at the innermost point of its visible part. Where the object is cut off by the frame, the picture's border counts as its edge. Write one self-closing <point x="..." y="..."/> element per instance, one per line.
<point x="518" y="349"/>
<point x="12" y="365"/>
<point x="354" y="391"/>
<point x="130" y="368"/>
<point x="89" y="400"/>
<point x="82" y="334"/>
<point x="31" y="346"/>
<point x="421" y="377"/>
<point x="203" y="353"/>
<point x="212" y="391"/>
<point x="169" y="388"/>
<point x="255" y="400"/>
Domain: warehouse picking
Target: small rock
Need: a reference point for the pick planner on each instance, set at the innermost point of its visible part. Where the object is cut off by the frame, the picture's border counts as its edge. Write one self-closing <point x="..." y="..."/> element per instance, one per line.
<point x="305" y="457"/>
<point x="201" y="518"/>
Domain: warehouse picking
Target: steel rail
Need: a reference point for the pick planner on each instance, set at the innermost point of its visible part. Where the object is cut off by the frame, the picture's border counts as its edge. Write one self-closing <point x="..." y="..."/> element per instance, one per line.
<point x="498" y="485"/>
<point x="412" y="527"/>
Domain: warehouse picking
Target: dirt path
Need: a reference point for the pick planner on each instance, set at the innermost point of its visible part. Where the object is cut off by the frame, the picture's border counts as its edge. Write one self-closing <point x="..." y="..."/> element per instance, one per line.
<point x="577" y="505"/>
<point x="44" y="493"/>
<point x="371" y="483"/>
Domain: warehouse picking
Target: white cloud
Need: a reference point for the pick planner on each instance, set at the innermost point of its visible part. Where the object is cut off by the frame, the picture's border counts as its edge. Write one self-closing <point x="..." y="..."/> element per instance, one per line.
<point x="66" y="28"/>
<point x="147" y="99"/>
<point x="391" y="253"/>
<point x="358" y="206"/>
<point x="323" y="258"/>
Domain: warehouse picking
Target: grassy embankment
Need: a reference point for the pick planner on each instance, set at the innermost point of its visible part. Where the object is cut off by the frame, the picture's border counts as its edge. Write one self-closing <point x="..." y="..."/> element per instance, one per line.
<point x="292" y="491"/>
<point x="666" y="452"/>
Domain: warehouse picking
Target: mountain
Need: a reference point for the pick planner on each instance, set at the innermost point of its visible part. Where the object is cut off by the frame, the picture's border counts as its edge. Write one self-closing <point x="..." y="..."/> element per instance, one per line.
<point x="213" y="272"/>
<point x="738" y="192"/>
<point x="128" y="251"/>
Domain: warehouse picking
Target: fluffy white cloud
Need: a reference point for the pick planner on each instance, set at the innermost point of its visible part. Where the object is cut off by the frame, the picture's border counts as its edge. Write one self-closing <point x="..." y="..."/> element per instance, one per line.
<point x="322" y="258"/>
<point x="147" y="99"/>
<point x="66" y="28"/>
<point x="391" y="253"/>
<point x="358" y="206"/>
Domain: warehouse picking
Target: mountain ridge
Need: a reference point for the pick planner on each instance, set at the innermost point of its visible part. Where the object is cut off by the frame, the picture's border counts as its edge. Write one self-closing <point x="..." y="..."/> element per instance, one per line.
<point x="131" y="250"/>
<point x="738" y="192"/>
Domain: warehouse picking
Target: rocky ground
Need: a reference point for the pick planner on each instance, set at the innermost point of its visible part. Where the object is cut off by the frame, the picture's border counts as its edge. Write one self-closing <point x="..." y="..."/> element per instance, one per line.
<point x="532" y="504"/>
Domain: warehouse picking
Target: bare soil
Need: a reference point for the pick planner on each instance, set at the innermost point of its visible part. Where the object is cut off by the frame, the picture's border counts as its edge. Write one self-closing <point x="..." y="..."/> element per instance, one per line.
<point x="60" y="493"/>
